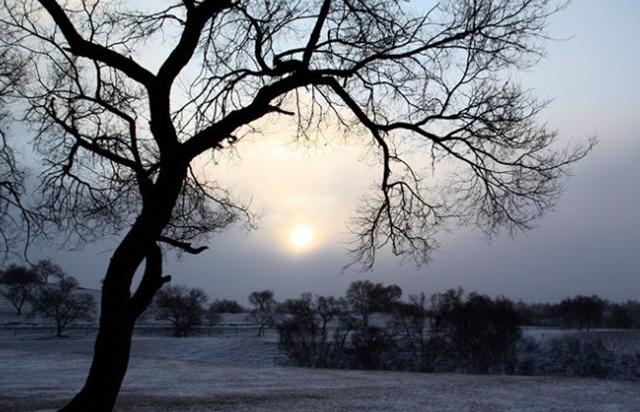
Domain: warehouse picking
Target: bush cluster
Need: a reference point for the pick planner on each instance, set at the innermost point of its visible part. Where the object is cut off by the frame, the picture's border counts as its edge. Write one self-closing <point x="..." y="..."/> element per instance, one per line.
<point x="450" y="332"/>
<point x="472" y="333"/>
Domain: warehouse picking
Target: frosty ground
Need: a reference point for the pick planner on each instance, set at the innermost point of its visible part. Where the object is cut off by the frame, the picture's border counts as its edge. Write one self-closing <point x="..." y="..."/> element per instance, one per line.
<point x="241" y="374"/>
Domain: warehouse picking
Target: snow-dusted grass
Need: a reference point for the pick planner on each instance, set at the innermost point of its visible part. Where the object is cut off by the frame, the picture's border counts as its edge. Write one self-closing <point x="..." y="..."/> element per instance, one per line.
<point x="237" y="374"/>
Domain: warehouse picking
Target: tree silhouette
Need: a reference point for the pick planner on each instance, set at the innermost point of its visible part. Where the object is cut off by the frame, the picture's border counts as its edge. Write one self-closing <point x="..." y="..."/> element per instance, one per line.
<point x="303" y="328"/>
<point x="411" y="322"/>
<point x="118" y="138"/>
<point x="182" y="307"/>
<point x="582" y="311"/>
<point x="47" y="271"/>
<point x="263" y="309"/>
<point x="18" y="284"/>
<point x="63" y="303"/>
<point x="226" y="306"/>
<point x="366" y="297"/>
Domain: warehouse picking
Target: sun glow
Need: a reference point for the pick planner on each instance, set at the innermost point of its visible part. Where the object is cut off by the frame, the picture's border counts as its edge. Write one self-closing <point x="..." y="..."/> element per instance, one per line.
<point x="301" y="236"/>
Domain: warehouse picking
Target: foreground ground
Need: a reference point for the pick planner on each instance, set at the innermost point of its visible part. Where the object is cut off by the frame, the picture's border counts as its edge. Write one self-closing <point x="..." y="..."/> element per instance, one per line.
<point x="237" y="374"/>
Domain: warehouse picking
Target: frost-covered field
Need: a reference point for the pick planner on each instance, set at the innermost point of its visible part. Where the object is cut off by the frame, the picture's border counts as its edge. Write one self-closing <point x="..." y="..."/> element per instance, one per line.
<point x="239" y="374"/>
<point x="618" y="341"/>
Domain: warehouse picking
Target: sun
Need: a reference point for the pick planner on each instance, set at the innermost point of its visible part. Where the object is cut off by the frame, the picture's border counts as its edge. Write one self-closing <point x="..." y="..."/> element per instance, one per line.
<point x="301" y="236"/>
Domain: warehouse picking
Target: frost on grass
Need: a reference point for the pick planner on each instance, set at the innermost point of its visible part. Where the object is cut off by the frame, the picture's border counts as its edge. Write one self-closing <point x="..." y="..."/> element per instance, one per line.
<point x="203" y="374"/>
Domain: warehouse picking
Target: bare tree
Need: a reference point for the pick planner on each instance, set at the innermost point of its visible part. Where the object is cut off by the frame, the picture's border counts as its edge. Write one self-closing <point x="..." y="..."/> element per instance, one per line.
<point x="264" y="309"/>
<point x="358" y="296"/>
<point x="582" y="311"/>
<point x="63" y="303"/>
<point x="329" y="309"/>
<point x="226" y="306"/>
<point x="220" y="306"/>
<point x="366" y="297"/>
<point x="118" y="138"/>
<point x="48" y="270"/>
<point x="303" y="328"/>
<point x="182" y="307"/>
<point x="18" y="284"/>
<point x="411" y="321"/>
<point x="479" y="333"/>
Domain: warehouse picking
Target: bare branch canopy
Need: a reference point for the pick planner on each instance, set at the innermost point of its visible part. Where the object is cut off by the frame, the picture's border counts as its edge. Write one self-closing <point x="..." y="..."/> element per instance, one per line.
<point x="434" y="89"/>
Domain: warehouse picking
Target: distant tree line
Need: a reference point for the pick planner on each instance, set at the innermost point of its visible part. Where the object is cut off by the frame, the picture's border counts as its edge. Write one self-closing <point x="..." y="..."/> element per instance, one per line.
<point x="450" y="319"/>
<point x="371" y="327"/>
<point x="582" y="312"/>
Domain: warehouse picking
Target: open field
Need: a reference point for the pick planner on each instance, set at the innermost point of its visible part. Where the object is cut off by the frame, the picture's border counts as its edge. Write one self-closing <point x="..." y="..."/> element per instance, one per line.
<point x="238" y="374"/>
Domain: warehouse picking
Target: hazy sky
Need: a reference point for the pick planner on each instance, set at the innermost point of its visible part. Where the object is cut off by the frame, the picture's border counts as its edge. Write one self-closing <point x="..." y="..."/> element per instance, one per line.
<point x="589" y="244"/>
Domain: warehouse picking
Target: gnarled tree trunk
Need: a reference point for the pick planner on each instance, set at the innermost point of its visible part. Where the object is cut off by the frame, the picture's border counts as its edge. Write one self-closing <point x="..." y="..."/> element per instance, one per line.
<point x="119" y="308"/>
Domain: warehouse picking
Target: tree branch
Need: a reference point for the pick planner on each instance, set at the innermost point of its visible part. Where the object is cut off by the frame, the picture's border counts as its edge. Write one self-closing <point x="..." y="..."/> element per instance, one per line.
<point x="185" y="246"/>
<point x="84" y="48"/>
<point x="183" y="52"/>
<point x="315" y="34"/>
<point x="212" y="136"/>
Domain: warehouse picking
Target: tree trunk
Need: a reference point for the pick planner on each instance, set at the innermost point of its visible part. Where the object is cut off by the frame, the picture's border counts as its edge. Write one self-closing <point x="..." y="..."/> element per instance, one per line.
<point x="119" y="309"/>
<point x="113" y="343"/>
<point x="110" y="361"/>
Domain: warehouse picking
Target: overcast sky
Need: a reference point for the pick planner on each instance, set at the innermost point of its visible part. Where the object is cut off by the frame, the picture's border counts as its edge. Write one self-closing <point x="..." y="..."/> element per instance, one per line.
<point x="589" y="244"/>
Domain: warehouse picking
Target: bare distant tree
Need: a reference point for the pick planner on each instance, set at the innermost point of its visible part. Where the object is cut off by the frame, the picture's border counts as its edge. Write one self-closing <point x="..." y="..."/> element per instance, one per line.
<point x="118" y="138"/>
<point x="476" y="330"/>
<point x="329" y="309"/>
<point x="582" y="311"/>
<point x="17" y="284"/>
<point x="358" y="296"/>
<point x="304" y="325"/>
<point x="63" y="303"/>
<point x="220" y="306"/>
<point x="411" y="321"/>
<point x="226" y="306"/>
<point x="47" y="271"/>
<point x="263" y="309"/>
<point x="182" y="307"/>
<point x="366" y="297"/>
